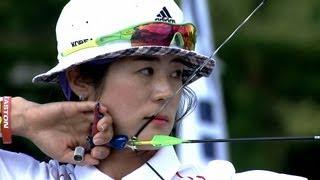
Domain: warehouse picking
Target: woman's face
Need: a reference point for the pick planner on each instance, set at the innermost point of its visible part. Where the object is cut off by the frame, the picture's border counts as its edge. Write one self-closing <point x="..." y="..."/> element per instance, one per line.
<point x="136" y="87"/>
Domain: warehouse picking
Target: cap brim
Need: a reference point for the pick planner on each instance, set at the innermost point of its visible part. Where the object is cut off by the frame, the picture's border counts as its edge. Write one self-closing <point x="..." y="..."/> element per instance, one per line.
<point x="191" y="60"/>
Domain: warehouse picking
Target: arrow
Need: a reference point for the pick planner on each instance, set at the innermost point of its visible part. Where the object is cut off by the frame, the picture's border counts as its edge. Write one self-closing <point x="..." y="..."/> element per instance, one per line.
<point x="164" y="140"/>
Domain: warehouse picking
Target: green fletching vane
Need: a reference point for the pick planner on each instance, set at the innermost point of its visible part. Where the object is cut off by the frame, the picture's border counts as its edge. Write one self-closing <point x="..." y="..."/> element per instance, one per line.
<point x="163" y="140"/>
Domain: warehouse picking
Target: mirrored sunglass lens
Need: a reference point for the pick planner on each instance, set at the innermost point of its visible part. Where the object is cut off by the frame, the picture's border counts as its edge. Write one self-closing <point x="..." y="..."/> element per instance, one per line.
<point x="141" y="38"/>
<point x="152" y="34"/>
<point x="162" y="34"/>
<point x="188" y="34"/>
<point x="160" y="28"/>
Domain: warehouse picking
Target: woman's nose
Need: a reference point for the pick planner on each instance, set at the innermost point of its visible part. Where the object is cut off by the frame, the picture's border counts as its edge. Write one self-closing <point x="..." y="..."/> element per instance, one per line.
<point x="162" y="89"/>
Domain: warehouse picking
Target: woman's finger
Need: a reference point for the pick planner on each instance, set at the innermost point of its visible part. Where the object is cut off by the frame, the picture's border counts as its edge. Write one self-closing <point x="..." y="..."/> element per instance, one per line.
<point x="100" y="152"/>
<point x="102" y="138"/>
<point x="104" y="123"/>
<point x="89" y="160"/>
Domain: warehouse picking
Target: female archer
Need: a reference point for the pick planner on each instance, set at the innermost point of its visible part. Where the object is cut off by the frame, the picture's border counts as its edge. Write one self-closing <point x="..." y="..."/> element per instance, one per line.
<point x="134" y="57"/>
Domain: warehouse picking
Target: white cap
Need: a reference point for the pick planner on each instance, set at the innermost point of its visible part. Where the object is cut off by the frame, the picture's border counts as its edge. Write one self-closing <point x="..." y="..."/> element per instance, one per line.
<point x="83" y="20"/>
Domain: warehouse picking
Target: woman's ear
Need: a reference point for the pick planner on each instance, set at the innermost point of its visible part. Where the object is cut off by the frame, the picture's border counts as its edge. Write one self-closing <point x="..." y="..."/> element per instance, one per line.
<point x="79" y="85"/>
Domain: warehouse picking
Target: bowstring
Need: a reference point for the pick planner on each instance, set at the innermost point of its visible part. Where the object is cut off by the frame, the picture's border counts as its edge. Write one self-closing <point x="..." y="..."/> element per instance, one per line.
<point x="196" y="71"/>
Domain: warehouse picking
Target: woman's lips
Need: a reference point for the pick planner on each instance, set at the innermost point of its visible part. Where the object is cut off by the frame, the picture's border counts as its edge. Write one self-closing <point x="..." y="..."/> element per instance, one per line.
<point x="160" y="120"/>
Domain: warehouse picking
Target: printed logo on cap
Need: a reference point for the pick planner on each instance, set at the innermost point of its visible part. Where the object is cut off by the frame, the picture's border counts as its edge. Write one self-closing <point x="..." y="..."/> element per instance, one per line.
<point x="164" y="16"/>
<point x="79" y="42"/>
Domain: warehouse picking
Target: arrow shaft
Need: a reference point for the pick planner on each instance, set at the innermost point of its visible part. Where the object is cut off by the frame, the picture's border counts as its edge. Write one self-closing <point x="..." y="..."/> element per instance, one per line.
<point x="161" y="141"/>
<point x="299" y="138"/>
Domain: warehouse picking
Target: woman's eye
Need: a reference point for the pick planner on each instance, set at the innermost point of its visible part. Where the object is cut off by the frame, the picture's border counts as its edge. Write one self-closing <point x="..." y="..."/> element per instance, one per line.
<point x="177" y="74"/>
<point x="146" y="71"/>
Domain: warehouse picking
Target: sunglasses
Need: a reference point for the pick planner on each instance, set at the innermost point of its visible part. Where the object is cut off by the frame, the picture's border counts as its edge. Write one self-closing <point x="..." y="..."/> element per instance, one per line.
<point x="149" y="34"/>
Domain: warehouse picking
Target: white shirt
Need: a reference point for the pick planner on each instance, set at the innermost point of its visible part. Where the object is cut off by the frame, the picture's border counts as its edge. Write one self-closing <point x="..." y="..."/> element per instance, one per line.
<point x="16" y="166"/>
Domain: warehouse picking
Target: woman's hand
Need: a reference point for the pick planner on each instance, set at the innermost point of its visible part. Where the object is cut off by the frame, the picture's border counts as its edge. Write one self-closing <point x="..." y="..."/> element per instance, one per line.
<point x="57" y="128"/>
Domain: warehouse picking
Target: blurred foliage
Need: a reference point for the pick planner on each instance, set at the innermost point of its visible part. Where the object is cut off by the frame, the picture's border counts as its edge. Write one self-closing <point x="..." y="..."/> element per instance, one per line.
<point x="270" y="74"/>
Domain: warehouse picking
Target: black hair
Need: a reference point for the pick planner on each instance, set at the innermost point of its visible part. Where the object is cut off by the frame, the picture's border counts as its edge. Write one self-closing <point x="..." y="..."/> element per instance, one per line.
<point x="187" y="103"/>
<point x="94" y="75"/>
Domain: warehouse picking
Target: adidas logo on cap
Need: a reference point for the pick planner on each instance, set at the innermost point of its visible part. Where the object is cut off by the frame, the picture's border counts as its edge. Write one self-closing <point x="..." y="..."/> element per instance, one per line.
<point x="164" y="16"/>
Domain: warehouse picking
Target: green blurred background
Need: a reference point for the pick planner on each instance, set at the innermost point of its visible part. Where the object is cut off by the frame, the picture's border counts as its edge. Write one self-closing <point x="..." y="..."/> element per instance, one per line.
<point x="270" y="76"/>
